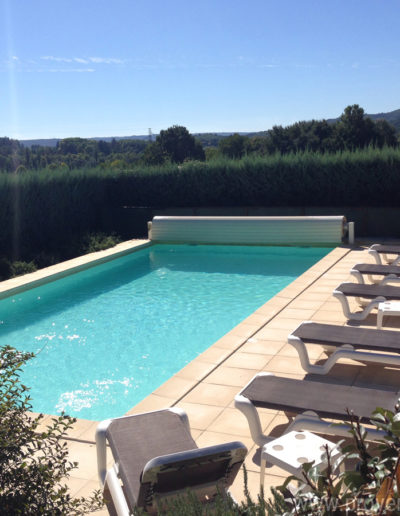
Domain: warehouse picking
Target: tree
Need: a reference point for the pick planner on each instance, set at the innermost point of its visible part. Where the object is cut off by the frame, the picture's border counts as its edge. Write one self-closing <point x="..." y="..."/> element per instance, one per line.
<point x="233" y="146"/>
<point x="353" y="129"/>
<point x="385" y="134"/>
<point x="33" y="461"/>
<point x="178" y="145"/>
<point x="153" y="154"/>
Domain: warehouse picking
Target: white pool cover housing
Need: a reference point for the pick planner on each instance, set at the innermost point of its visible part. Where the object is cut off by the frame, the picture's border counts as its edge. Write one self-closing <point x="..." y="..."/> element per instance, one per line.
<point x="321" y="230"/>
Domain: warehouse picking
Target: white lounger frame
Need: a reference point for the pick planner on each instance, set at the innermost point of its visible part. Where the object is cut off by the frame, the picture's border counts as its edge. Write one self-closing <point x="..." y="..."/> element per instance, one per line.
<point x="367" y="305"/>
<point x="377" y="256"/>
<point x="372" y="278"/>
<point x="308" y="420"/>
<point x="110" y="476"/>
<point x="344" y="351"/>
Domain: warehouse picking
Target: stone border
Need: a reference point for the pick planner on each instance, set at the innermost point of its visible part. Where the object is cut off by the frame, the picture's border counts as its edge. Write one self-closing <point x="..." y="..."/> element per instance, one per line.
<point x="60" y="270"/>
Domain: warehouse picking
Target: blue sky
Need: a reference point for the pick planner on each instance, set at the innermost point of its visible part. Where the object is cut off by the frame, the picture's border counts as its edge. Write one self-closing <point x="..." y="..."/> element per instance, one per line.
<point x="116" y="68"/>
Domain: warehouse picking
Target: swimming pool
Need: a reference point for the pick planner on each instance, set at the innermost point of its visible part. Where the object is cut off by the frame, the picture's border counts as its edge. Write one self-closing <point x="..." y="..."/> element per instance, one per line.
<point x="108" y="336"/>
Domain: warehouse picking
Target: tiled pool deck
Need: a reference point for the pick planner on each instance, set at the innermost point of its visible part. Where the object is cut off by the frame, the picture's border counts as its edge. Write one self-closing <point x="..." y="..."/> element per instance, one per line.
<point x="206" y="387"/>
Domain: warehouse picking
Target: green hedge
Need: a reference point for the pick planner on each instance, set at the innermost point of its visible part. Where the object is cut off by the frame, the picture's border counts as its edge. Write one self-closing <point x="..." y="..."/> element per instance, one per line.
<point x="49" y="211"/>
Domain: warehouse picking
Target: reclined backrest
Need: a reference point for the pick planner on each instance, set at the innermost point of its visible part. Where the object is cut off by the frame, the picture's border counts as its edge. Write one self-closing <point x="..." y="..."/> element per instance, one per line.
<point x="205" y="471"/>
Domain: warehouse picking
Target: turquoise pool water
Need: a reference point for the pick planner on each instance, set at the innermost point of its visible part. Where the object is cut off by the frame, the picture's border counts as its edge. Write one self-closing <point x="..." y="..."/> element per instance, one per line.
<point x="106" y="337"/>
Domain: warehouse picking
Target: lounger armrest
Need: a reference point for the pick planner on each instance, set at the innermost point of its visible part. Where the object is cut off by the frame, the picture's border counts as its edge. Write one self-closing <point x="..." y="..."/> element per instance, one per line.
<point x="117" y="494"/>
<point x="101" y="449"/>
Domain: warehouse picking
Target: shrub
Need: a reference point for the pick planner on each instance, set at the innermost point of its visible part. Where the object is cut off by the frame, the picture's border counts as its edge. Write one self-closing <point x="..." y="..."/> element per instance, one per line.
<point x="94" y="242"/>
<point x="18" y="268"/>
<point x="371" y="487"/>
<point x="33" y="461"/>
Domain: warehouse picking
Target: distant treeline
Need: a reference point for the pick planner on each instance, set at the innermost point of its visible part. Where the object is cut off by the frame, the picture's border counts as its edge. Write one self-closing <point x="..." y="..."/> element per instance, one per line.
<point x="175" y="145"/>
<point x="46" y="215"/>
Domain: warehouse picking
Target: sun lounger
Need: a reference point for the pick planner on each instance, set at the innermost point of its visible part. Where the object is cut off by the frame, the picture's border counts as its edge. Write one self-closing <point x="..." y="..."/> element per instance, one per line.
<point x="367" y="296"/>
<point x="156" y="459"/>
<point x="379" y="251"/>
<point x="345" y="342"/>
<point x="311" y="400"/>
<point x="386" y="273"/>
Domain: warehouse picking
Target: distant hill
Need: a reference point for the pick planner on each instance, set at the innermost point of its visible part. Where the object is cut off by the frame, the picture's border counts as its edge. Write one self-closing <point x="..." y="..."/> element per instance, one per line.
<point x="52" y="142"/>
<point x="211" y="139"/>
<point x="393" y="117"/>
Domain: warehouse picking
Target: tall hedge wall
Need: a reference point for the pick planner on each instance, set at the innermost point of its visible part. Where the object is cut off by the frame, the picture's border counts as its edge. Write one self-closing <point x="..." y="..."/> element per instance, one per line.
<point x="49" y="210"/>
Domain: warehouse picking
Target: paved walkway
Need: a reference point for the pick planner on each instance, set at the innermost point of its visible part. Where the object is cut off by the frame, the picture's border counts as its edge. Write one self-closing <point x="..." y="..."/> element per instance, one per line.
<point x="206" y="387"/>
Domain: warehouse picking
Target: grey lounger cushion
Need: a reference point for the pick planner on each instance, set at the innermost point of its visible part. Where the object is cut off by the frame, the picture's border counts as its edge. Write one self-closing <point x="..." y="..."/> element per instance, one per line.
<point x="157" y="456"/>
<point x="376" y="269"/>
<point x="369" y="291"/>
<point x="387" y="249"/>
<point x="359" y="338"/>
<point x="153" y="434"/>
<point x="326" y="399"/>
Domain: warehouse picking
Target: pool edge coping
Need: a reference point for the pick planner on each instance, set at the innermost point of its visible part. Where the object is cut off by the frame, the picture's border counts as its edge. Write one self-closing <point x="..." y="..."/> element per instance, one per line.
<point x="60" y="270"/>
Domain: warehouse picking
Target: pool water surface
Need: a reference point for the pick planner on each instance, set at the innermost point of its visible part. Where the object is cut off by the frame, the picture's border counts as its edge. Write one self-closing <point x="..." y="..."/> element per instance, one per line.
<point x="106" y="337"/>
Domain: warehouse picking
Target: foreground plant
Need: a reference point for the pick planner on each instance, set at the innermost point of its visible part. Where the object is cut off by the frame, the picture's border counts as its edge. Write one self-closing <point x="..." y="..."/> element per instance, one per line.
<point x="372" y="487"/>
<point x="33" y="461"/>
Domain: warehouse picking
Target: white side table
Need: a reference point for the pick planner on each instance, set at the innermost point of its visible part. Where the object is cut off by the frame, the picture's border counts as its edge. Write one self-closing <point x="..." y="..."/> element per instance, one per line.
<point x="387" y="308"/>
<point x="293" y="449"/>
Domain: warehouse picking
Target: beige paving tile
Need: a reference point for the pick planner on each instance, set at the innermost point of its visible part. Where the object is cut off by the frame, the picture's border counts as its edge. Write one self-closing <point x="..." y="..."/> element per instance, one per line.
<point x="75" y="484"/>
<point x="89" y="433"/>
<point x="282" y="364"/>
<point x="209" y="438"/>
<point x="329" y="317"/>
<point x="151" y="402"/>
<point x="195" y="370"/>
<point x="261" y="346"/>
<point x="230" y="342"/>
<point x="253" y="485"/>
<point x="232" y="421"/>
<point x="297" y="313"/>
<point x="233" y="376"/>
<point x="214" y="355"/>
<point x="247" y="360"/>
<point x="314" y="351"/>
<point x="257" y="319"/>
<point x="195" y="433"/>
<point x="273" y="334"/>
<point x="245" y="330"/>
<point x="278" y="425"/>
<point x="200" y="415"/>
<point x="276" y="303"/>
<point x="175" y="387"/>
<point x="85" y="455"/>
<point x="88" y="488"/>
<point x="210" y="394"/>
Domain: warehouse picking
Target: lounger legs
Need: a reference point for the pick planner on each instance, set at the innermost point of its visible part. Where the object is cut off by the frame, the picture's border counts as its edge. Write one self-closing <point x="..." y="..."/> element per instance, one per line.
<point x="390" y="278"/>
<point x="357" y="316"/>
<point x="308" y="420"/>
<point x="248" y="409"/>
<point x="377" y="257"/>
<point x="345" y="351"/>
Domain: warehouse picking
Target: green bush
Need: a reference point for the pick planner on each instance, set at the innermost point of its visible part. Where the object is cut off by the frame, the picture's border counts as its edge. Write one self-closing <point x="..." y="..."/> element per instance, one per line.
<point x="94" y="242"/>
<point x="33" y="461"/>
<point x="18" y="268"/>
